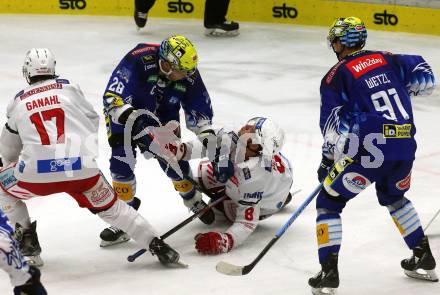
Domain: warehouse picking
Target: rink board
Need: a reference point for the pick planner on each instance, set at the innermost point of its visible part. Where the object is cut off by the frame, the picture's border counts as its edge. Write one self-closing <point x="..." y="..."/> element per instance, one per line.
<point x="310" y="12"/>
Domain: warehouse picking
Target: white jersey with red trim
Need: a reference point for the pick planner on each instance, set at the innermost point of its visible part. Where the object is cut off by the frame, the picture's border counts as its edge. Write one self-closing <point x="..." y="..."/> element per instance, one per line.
<point x="57" y="129"/>
<point x="258" y="189"/>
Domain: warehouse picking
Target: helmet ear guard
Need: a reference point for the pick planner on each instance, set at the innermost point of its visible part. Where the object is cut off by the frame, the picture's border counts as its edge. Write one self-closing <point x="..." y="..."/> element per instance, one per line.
<point x="38" y="62"/>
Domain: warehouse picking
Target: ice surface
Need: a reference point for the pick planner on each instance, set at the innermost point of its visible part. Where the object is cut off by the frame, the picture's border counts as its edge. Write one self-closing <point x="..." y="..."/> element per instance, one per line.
<point x="271" y="70"/>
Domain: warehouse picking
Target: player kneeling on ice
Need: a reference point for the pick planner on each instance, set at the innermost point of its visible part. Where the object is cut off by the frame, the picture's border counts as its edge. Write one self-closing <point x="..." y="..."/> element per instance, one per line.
<point x="49" y="145"/>
<point x="249" y="169"/>
<point x="366" y="114"/>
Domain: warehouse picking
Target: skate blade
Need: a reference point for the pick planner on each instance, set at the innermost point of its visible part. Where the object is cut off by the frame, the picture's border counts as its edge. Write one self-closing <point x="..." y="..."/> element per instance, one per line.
<point x="421" y="274"/>
<point x="34" y="260"/>
<point x="324" y="291"/>
<point x="221" y="33"/>
<point x="177" y="264"/>
<point x="122" y="239"/>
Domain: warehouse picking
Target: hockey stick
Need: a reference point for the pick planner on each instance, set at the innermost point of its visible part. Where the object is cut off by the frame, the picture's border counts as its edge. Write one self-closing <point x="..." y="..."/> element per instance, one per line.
<point x="432" y="219"/>
<point x="236" y="270"/>
<point x="134" y="256"/>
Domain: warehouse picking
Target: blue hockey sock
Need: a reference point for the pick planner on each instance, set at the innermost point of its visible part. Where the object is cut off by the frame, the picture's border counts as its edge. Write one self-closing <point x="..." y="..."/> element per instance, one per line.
<point x="328" y="233"/>
<point x="407" y="221"/>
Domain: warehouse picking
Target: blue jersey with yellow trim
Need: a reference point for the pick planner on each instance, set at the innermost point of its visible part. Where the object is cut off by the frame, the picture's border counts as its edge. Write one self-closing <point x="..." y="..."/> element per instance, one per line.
<point x="369" y="92"/>
<point x="136" y="82"/>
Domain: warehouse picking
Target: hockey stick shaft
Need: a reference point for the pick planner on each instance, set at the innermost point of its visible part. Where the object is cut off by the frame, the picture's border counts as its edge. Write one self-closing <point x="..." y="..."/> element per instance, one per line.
<point x="432" y="220"/>
<point x="248" y="268"/>
<point x="134" y="256"/>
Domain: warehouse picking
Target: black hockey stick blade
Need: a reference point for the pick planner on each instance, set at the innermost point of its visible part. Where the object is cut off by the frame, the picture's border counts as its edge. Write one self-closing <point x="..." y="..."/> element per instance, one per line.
<point x="236" y="270"/>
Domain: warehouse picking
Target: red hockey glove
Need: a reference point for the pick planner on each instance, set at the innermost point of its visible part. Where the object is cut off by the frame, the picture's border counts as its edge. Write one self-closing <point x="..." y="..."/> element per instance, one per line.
<point x="212" y="243"/>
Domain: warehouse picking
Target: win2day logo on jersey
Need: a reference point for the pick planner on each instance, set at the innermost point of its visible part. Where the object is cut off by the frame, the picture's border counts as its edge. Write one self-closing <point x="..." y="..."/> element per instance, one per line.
<point x="362" y="65"/>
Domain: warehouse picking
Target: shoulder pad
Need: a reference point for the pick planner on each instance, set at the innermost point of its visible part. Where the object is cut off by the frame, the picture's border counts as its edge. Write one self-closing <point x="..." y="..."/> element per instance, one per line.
<point x="62" y="81"/>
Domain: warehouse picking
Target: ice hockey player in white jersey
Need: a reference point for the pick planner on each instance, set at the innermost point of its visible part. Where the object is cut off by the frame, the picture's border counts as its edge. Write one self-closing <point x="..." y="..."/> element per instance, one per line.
<point x="49" y="146"/>
<point x="249" y="169"/>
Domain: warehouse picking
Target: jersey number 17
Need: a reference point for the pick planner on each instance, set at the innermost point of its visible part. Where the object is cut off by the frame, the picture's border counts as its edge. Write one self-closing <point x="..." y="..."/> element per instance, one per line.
<point x="38" y="118"/>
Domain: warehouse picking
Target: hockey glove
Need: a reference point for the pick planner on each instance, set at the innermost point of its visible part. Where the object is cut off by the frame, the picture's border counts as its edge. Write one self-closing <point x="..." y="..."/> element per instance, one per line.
<point x="166" y="143"/>
<point x="324" y="167"/>
<point x="140" y="132"/>
<point x="33" y="286"/>
<point x="223" y="169"/>
<point x="212" y="243"/>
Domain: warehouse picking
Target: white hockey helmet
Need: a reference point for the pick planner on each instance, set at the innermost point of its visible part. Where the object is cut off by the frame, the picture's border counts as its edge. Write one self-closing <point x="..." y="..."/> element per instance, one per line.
<point x="267" y="134"/>
<point x="38" y="62"/>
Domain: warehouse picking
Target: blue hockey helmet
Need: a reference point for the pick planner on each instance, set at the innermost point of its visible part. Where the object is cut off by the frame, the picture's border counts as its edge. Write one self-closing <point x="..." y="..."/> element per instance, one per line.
<point x="351" y="31"/>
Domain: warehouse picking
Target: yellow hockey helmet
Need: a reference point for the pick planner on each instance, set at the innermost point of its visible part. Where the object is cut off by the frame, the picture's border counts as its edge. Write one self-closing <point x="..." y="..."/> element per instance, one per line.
<point x="350" y="31"/>
<point x="180" y="53"/>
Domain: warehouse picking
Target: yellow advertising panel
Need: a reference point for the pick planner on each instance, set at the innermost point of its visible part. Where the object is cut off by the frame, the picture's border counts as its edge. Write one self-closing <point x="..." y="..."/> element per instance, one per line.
<point x="311" y="12"/>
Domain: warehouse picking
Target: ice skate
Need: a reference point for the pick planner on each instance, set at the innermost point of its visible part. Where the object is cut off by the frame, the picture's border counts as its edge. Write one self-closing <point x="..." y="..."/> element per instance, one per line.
<point x="326" y="281"/>
<point x="421" y="265"/>
<point x="166" y="255"/>
<point x="140" y="18"/>
<point x="225" y="29"/>
<point x="113" y="235"/>
<point x="195" y="204"/>
<point x="28" y="243"/>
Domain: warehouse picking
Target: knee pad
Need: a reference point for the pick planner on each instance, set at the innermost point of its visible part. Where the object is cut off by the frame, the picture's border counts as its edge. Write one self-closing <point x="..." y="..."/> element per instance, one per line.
<point x="185" y="188"/>
<point x="124" y="187"/>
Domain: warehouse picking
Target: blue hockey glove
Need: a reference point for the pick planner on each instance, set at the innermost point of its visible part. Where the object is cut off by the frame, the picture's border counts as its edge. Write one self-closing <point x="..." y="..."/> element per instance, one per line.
<point x="422" y="80"/>
<point x="324" y="167"/>
<point x="223" y="169"/>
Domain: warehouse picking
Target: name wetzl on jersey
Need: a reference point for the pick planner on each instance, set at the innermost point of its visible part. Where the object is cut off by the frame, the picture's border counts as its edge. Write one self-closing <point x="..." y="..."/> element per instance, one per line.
<point x="368" y="62"/>
<point x="42" y="102"/>
<point x="377" y="80"/>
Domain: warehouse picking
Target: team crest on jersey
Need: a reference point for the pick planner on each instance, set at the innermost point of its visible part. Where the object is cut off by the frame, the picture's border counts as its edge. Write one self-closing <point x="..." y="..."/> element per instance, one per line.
<point x="246" y="173"/>
<point x="21" y="166"/>
<point x="364" y="64"/>
<point x="405" y="183"/>
<point x="355" y="183"/>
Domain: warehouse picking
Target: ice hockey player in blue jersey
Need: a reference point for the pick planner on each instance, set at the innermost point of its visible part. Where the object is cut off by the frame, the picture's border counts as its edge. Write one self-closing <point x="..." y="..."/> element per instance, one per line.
<point x="24" y="278"/>
<point x="161" y="79"/>
<point x="368" y="128"/>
